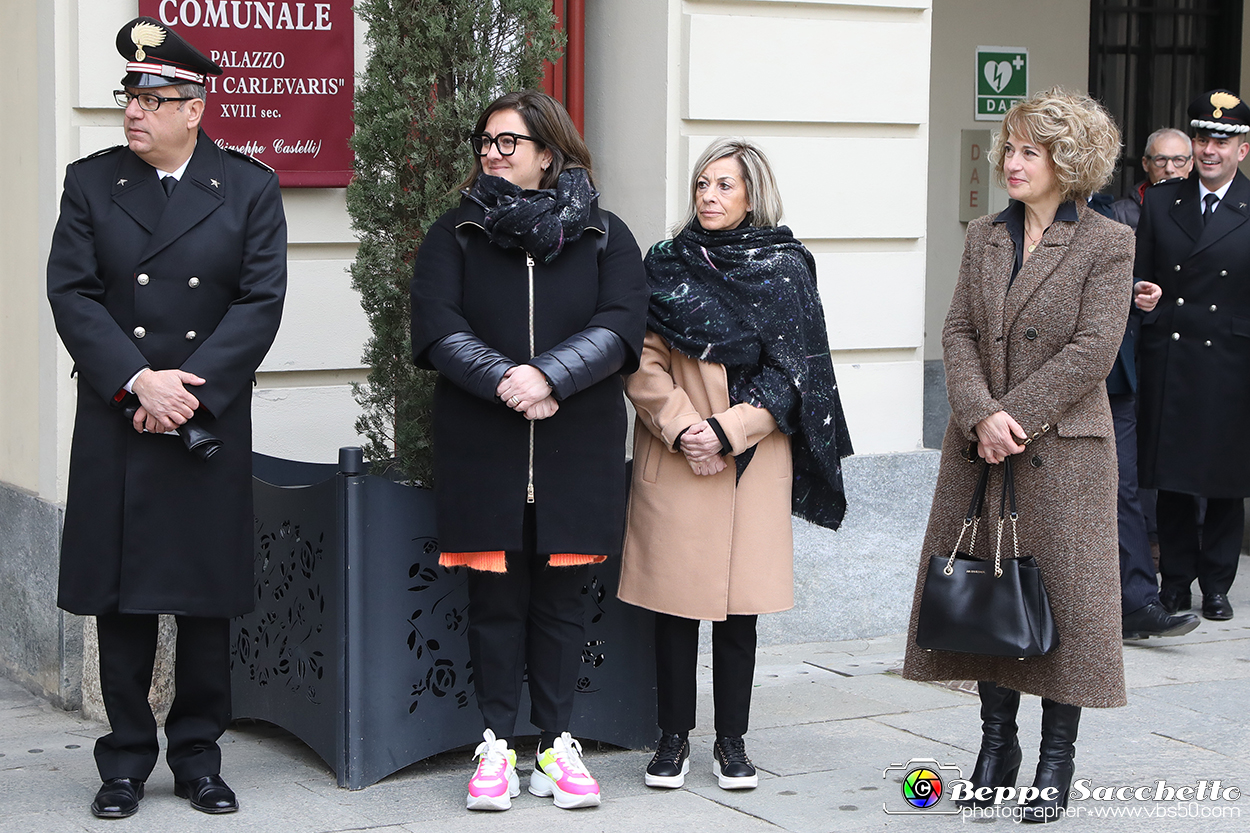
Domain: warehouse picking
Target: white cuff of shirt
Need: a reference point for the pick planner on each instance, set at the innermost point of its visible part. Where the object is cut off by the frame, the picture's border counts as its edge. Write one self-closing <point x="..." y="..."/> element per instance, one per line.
<point x="129" y="386"/>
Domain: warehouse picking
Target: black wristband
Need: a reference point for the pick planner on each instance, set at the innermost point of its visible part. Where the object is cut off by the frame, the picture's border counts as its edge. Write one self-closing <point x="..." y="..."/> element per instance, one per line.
<point x="725" y="446"/>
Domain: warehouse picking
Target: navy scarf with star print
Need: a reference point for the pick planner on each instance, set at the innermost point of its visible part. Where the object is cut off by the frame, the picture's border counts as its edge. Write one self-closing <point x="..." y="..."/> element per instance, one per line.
<point x="746" y="298"/>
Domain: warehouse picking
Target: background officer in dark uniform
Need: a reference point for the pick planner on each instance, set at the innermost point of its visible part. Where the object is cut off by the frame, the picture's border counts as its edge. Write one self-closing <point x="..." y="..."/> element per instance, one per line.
<point x="1193" y="240"/>
<point x="166" y="278"/>
<point x="1142" y="613"/>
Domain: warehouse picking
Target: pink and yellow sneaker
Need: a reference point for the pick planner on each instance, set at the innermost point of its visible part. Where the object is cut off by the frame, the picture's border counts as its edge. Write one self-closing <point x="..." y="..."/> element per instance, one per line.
<point x="495" y="784"/>
<point x="560" y="772"/>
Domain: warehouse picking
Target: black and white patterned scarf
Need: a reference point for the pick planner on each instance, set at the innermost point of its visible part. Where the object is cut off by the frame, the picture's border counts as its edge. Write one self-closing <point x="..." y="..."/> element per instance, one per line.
<point x="541" y="222"/>
<point x="746" y="298"/>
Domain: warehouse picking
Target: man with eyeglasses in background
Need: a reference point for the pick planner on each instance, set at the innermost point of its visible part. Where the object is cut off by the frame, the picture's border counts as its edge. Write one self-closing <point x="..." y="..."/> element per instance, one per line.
<point x="1169" y="155"/>
<point x="166" y="277"/>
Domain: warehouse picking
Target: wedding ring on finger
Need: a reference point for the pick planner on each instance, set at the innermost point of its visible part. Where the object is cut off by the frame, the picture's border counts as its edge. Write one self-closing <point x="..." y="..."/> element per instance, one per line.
<point x="515" y="399"/>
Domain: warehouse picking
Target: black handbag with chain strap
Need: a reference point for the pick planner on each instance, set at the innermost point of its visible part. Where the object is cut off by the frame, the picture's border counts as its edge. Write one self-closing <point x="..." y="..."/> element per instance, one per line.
<point x="996" y="607"/>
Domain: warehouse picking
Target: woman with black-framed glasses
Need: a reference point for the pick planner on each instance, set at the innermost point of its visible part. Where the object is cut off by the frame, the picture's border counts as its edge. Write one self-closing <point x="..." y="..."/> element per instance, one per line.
<point x="505" y="142"/>
<point x="530" y="301"/>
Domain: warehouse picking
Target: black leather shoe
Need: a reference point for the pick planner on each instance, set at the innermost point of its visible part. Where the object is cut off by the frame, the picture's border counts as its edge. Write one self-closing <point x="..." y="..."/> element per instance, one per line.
<point x="1153" y="620"/>
<point x="1215" y="606"/>
<point x="671" y="762"/>
<point x="731" y="766"/>
<point x="1174" y="599"/>
<point x="118" y="798"/>
<point x="208" y="794"/>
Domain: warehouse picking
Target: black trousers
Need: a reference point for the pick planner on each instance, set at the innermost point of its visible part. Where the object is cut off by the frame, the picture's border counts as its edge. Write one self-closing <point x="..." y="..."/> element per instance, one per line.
<point x="733" y="670"/>
<point x="201" y="707"/>
<point x="1208" y="552"/>
<point x="530" y="618"/>
<point x="1138" y="585"/>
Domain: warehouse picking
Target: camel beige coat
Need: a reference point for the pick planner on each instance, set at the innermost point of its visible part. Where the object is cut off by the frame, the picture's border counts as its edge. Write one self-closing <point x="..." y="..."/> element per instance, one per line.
<point x="703" y="547"/>
<point x="1040" y="352"/>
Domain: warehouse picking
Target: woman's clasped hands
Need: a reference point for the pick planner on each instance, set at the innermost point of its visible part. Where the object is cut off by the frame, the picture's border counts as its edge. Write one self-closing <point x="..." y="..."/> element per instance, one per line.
<point x="996" y="437"/>
<point x="702" y="449"/>
<point x="525" y="390"/>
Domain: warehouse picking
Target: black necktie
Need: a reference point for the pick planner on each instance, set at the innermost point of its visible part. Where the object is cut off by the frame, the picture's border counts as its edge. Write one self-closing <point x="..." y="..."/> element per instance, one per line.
<point x="169" y="183"/>
<point x="1210" y="200"/>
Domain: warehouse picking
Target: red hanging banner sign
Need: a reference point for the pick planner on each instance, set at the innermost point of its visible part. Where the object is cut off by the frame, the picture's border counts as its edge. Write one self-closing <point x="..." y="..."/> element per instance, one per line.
<point x="286" y="95"/>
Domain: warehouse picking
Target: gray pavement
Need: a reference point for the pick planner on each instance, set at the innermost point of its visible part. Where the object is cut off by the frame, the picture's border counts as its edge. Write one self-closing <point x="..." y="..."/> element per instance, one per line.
<point x="827" y="720"/>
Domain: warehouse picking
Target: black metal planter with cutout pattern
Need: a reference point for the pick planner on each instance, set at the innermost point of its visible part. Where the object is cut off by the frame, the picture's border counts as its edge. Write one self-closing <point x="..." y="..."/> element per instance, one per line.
<point x="357" y="644"/>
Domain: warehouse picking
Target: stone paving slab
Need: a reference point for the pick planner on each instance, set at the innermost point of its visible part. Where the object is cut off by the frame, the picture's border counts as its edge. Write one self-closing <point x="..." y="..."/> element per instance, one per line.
<point x="898" y="694"/>
<point x="799" y="701"/>
<point x="827" y="747"/>
<point x="824" y="801"/>
<point x="61" y="821"/>
<point x="827" y="721"/>
<point x="1163" y="662"/>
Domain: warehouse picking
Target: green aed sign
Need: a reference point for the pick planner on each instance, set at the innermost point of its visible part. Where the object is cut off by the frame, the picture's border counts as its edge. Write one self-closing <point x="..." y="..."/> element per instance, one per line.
<point x="1002" y="80"/>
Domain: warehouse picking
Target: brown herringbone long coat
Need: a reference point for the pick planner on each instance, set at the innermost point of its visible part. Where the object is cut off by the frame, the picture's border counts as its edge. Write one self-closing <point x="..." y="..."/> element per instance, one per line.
<point x="1041" y="352"/>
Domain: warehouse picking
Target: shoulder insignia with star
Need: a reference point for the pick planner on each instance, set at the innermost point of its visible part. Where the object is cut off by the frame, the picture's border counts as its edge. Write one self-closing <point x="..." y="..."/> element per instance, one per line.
<point x="102" y="152"/>
<point x="1174" y="181"/>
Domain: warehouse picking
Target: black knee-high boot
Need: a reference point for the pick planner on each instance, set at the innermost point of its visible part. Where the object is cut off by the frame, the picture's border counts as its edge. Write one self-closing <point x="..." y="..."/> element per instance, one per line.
<point x="998" y="763"/>
<point x="1056" y="760"/>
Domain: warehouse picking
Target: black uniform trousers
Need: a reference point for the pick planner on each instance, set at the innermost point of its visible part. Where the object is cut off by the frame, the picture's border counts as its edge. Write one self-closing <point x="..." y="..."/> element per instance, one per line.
<point x="1138" y="585"/>
<point x="530" y="618"/>
<point x="1208" y="551"/>
<point x="201" y="708"/>
<point x="733" y="672"/>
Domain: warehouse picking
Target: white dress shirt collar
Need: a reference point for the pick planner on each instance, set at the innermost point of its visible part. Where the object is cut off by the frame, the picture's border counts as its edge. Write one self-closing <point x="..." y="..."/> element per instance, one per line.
<point x="175" y="174"/>
<point x="1203" y="190"/>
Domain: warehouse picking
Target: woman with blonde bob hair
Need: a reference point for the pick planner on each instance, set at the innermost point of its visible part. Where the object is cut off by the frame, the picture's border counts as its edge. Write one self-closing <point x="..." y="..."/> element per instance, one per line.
<point x="1033" y="329"/>
<point x="739" y="425"/>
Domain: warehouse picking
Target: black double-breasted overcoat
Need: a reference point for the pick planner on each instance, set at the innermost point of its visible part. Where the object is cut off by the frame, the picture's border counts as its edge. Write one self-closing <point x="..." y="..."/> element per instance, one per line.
<point x="482" y="448"/>
<point x="1194" y="390"/>
<point x="194" y="281"/>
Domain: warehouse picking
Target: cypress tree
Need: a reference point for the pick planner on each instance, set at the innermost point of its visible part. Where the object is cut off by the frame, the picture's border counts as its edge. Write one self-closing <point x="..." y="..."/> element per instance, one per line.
<point x="433" y="68"/>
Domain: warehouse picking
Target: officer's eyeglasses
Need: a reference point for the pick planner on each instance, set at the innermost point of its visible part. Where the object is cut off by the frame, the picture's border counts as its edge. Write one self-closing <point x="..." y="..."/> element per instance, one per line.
<point x="1162" y="161"/>
<point x="147" y="101"/>
<point x="505" y="142"/>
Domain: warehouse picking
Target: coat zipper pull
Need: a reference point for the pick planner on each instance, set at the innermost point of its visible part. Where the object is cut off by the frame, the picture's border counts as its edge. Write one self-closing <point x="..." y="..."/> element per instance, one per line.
<point x="529" y="263"/>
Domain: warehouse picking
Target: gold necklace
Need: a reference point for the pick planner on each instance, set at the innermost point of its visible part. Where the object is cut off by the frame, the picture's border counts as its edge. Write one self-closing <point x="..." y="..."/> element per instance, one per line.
<point x="1032" y="245"/>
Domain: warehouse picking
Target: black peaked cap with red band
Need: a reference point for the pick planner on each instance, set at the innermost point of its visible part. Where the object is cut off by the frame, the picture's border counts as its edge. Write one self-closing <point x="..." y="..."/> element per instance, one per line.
<point x="1219" y="114"/>
<point x="157" y="56"/>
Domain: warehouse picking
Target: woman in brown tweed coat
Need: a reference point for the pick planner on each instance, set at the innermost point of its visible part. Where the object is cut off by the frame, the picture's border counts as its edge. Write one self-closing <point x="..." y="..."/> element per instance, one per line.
<point x="1033" y="329"/>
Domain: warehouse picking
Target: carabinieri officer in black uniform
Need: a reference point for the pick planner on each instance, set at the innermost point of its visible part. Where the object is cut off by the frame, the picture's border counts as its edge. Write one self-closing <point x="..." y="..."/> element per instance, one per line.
<point x="166" y="277"/>
<point x="1194" y="242"/>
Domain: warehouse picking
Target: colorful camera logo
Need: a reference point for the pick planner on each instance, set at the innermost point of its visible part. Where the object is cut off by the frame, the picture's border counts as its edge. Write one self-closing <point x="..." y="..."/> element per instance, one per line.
<point x="922" y="788"/>
<point x="922" y="784"/>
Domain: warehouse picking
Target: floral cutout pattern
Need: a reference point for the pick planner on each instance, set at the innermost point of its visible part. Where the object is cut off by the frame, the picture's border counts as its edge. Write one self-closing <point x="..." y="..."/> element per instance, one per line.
<point x="442" y="665"/>
<point x="285" y="640"/>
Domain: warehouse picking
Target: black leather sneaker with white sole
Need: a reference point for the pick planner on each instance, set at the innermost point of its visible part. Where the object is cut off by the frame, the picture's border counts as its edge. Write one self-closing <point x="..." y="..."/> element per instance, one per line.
<point x="670" y="763"/>
<point x="731" y="766"/>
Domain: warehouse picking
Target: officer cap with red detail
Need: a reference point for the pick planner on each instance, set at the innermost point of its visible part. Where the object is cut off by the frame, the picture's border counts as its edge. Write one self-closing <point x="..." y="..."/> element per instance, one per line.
<point x="1219" y="114"/>
<point x="157" y="56"/>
